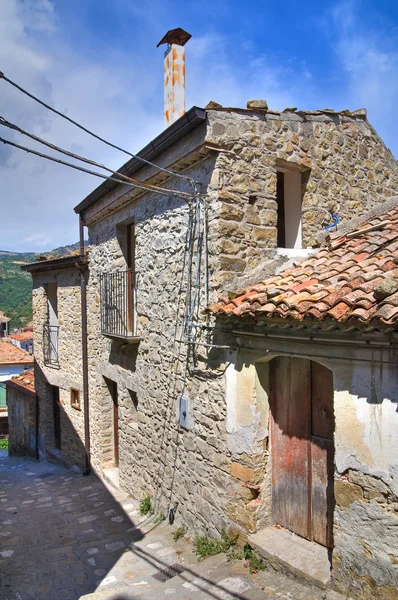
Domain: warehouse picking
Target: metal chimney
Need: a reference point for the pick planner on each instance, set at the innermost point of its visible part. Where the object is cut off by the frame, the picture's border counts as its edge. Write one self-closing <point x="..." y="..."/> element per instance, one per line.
<point x="174" y="74"/>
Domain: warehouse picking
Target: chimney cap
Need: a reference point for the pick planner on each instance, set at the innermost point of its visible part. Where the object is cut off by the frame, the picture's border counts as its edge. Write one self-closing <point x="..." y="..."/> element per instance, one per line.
<point x="175" y="36"/>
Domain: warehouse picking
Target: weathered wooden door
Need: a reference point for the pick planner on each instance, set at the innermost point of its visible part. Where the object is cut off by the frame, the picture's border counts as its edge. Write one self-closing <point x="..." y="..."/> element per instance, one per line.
<point x="302" y="426"/>
<point x="57" y="417"/>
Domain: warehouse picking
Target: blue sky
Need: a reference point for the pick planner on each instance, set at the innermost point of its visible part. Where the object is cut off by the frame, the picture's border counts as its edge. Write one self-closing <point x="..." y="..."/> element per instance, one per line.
<point x="98" y="61"/>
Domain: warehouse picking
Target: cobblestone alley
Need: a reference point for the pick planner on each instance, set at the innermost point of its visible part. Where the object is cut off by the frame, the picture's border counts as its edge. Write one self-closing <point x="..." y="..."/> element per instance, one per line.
<point x="64" y="536"/>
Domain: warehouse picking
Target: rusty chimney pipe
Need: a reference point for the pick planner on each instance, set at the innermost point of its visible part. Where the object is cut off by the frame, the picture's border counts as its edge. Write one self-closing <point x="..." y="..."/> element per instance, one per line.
<point x="174" y="74"/>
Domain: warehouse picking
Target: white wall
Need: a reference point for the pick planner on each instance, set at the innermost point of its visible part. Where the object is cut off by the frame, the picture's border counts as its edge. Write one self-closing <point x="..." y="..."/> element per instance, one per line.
<point x="7" y="371"/>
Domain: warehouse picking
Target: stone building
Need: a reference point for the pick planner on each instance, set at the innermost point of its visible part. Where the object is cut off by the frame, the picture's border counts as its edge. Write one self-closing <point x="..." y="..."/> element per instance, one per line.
<point x="175" y="406"/>
<point x="22" y="414"/>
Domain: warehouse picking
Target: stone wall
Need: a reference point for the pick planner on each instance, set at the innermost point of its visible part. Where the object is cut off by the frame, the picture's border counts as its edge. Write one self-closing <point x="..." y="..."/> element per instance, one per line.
<point x="21" y="418"/>
<point x="155" y="455"/>
<point x="346" y="169"/>
<point x="68" y="373"/>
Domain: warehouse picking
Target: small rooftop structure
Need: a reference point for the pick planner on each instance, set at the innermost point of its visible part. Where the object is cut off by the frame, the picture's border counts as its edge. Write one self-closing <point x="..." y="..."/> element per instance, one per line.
<point x="25" y="382"/>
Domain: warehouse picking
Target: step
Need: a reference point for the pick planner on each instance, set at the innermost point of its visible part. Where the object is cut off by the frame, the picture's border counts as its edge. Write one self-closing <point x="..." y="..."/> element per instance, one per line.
<point x="111" y="476"/>
<point x="283" y="549"/>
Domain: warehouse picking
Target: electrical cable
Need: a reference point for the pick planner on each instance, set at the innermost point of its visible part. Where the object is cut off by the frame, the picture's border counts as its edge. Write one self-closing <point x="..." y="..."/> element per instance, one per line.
<point x="62" y="162"/>
<point x="57" y="112"/>
<point x="150" y="187"/>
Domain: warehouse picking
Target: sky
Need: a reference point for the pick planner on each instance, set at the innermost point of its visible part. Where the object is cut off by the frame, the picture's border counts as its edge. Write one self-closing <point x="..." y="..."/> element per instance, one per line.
<point x="97" y="61"/>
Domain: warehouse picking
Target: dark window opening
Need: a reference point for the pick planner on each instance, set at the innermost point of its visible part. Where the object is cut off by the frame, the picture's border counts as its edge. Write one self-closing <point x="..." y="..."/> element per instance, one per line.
<point x="75" y="398"/>
<point x="288" y="199"/>
<point x="280" y="200"/>
<point x="252" y="200"/>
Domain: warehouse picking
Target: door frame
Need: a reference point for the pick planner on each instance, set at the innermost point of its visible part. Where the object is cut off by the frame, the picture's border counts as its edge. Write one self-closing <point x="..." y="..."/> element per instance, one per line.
<point x="115" y="400"/>
<point x="57" y="416"/>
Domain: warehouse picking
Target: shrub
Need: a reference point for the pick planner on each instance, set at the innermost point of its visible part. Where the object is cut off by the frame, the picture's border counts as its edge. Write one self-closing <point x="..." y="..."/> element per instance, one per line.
<point x="146" y="506"/>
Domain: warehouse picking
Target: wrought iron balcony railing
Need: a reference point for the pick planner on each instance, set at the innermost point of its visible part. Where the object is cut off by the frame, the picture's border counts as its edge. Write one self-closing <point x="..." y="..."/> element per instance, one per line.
<point x="118" y="293"/>
<point x="50" y="344"/>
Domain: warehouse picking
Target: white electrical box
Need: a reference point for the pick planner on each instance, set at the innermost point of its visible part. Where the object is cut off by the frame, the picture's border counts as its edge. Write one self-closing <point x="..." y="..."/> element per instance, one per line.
<point x="183" y="416"/>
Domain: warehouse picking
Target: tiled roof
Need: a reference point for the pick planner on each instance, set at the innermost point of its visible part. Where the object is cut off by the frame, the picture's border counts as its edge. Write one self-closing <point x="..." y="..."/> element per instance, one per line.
<point x="22" y="337"/>
<point x="12" y="355"/>
<point x="338" y="283"/>
<point x="25" y="380"/>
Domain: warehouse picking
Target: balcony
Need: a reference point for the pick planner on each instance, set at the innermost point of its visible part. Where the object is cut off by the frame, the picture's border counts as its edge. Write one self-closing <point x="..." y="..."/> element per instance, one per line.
<point x="118" y="295"/>
<point x="50" y="345"/>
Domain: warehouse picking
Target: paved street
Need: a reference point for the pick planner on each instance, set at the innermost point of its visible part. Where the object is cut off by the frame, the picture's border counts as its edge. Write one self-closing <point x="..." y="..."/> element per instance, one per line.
<point x="64" y="536"/>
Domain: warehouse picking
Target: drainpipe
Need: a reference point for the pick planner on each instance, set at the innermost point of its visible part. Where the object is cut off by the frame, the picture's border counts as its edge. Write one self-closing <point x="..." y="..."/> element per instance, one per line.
<point x="83" y="296"/>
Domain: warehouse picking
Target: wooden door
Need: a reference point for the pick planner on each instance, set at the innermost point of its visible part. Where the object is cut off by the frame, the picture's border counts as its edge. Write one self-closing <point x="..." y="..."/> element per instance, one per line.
<point x="290" y="443"/>
<point x="114" y="394"/>
<point x="57" y="417"/>
<point x="302" y="428"/>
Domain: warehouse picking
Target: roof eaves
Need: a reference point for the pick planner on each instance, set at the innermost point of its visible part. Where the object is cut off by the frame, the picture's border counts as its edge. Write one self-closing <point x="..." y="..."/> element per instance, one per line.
<point x="64" y="262"/>
<point x="20" y="387"/>
<point x="194" y="117"/>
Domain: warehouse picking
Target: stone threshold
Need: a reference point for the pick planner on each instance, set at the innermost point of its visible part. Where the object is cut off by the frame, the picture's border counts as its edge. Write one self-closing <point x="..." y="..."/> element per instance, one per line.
<point x="283" y="549"/>
<point x="54" y="455"/>
<point x="111" y="476"/>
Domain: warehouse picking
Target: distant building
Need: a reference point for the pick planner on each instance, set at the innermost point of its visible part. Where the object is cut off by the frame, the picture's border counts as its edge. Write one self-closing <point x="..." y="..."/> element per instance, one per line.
<point x="21" y="404"/>
<point x="3" y="325"/>
<point x="13" y="360"/>
<point x="23" y="340"/>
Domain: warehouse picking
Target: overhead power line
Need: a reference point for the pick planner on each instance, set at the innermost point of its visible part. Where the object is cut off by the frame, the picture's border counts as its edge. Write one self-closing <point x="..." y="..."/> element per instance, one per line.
<point x="21" y="89"/>
<point x="72" y="166"/>
<point x="140" y="184"/>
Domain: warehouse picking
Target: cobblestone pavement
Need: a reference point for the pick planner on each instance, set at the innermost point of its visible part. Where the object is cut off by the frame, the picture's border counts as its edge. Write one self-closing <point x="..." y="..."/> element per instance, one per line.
<point x="64" y="536"/>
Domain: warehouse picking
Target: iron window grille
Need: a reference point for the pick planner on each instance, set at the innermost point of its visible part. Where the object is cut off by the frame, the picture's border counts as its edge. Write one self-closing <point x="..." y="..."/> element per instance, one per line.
<point x="118" y="296"/>
<point x="50" y="344"/>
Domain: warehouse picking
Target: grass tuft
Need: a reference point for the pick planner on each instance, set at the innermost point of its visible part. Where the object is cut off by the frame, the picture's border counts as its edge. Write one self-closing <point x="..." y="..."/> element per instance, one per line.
<point x="204" y="546"/>
<point x="179" y="533"/>
<point x="146" y="506"/>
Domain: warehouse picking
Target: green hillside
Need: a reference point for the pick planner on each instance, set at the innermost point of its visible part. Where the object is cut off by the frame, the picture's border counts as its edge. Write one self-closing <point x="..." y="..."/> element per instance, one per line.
<point x="16" y="286"/>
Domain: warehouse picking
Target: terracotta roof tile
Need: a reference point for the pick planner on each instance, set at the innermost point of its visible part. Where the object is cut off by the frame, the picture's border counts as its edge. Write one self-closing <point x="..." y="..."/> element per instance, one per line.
<point x="337" y="283"/>
<point x="25" y="380"/>
<point x="22" y="337"/>
<point x="10" y="354"/>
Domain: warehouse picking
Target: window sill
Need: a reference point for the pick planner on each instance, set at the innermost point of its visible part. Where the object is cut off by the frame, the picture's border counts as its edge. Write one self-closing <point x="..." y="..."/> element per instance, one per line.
<point x="131" y="339"/>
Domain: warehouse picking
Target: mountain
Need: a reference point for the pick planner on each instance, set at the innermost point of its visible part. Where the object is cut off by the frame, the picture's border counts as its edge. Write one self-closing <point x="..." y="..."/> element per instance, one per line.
<point x="16" y="285"/>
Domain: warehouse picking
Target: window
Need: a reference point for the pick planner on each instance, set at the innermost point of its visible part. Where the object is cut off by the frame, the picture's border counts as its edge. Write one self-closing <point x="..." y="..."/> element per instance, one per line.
<point x="50" y="328"/>
<point x="288" y="198"/>
<point x="75" y="398"/>
<point x="118" y="290"/>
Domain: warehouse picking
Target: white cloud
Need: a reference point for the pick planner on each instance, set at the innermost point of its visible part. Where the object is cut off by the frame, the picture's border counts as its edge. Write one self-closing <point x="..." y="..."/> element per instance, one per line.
<point x="368" y="54"/>
<point x="38" y="240"/>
